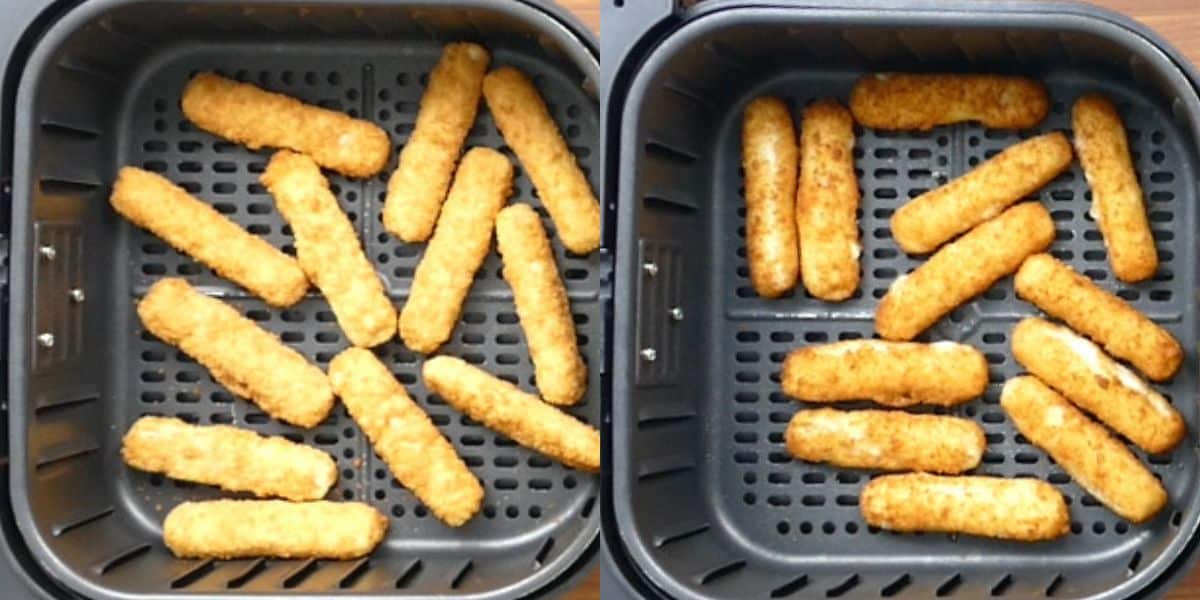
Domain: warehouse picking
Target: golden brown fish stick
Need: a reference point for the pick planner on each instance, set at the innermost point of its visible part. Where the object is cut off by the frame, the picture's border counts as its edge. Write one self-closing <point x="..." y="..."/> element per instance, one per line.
<point x="229" y="529"/>
<point x="461" y="242"/>
<point x="420" y="457"/>
<point x="152" y="202"/>
<point x="827" y="202"/>
<point x="418" y="186"/>
<point x="1117" y="204"/>
<point x="962" y="270"/>
<point x="242" y="356"/>
<point x="237" y="460"/>
<point x="501" y="406"/>
<point x="1097" y="461"/>
<point x="527" y="127"/>
<point x="1079" y="370"/>
<point x="329" y="250"/>
<point x="1124" y="332"/>
<point x="886" y="440"/>
<point x="893" y="374"/>
<point x="937" y="216"/>
<point x="769" y="158"/>
<point x="1016" y="509"/>
<point x="922" y="101"/>
<point x="542" y="305"/>
<point x="254" y="117"/>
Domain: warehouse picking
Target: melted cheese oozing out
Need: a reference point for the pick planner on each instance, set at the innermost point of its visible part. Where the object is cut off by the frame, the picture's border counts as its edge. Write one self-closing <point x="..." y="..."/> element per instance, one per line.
<point x="1105" y="367"/>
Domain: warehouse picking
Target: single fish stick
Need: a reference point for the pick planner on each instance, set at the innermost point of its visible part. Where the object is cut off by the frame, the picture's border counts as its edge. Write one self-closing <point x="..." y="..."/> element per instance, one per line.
<point x="895" y="374"/>
<point x="1117" y="204"/>
<point x="1125" y="333"/>
<point x="241" y="356"/>
<point x="254" y="117"/>
<point x="1100" y="463"/>
<point x="886" y="440"/>
<point x="328" y="249"/>
<point x="419" y="184"/>
<point x="827" y="203"/>
<point x="769" y="158"/>
<point x="229" y="529"/>
<point x="237" y="460"/>
<point x="962" y="270"/>
<point x="527" y="127"/>
<point x="923" y="101"/>
<point x="417" y="453"/>
<point x="1016" y="509"/>
<point x="459" y="245"/>
<point x="502" y="406"/>
<point x="937" y="216"/>
<point x="153" y="203"/>
<point x="1079" y="370"/>
<point x="542" y="305"/>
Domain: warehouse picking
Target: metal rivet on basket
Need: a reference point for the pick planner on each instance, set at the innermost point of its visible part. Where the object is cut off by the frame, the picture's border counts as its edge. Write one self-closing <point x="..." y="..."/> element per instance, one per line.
<point x="676" y="313"/>
<point x="76" y="295"/>
<point x="48" y="252"/>
<point x="650" y="268"/>
<point x="649" y="354"/>
<point x="46" y="340"/>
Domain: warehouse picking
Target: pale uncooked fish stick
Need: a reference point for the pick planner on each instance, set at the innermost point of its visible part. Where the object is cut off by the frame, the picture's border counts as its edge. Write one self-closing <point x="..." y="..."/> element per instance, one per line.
<point x="827" y="203"/>
<point x="419" y="184"/>
<point x="769" y="158"/>
<point x="886" y="440"/>
<point x="152" y="202"/>
<point x="922" y="101"/>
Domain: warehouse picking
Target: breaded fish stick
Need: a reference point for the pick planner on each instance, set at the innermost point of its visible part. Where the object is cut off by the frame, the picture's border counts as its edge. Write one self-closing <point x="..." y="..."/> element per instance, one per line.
<point x="328" y="249"/>
<point x="418" y="186"/>
<point x="237" y="460"/>
<point x="461" y="242"/>
<point x="827" y="202"/>
<point x="1124" y="332"/>
<point x="886" y="440"/>
<point x="922" y="101"/>
<point x="152" y="202"/>
<point x="254" y="117"/>
<point x="229" y="529"/>
<point x="527" y="127"/>
<point x="962" y="270"/>
<point x="420" y="457"/>
<point x="241" y="356"/>
<point x="937" y="216"/>
<point x="1079" y="370"/>
<point x="1016" y="509"/>
<point x="542" y="305"/>
<point x="501" y="406"/>
<point x="895" y="374"/>
<point x="769" y="158"/>
<point x="1117" y="204"/>
<point x="1097" y="461"/>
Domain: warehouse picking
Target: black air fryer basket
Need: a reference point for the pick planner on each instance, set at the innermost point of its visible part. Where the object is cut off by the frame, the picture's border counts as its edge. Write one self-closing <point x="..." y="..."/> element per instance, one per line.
<point x="702" y="499"/>
<point x="94" y="85"/>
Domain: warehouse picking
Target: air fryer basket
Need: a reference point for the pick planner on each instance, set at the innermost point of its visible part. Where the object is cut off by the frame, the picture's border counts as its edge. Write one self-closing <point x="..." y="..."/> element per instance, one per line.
<point x="706" y="501"/>
<point x="101" y="90"/>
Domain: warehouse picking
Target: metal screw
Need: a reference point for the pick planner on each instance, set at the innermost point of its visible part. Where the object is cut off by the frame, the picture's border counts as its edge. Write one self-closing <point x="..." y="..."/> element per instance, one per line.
<point x="46" y="340"/>
<point x="650" y="268"/>
<point x="676" y="313"/>
<point x="48" y="252"/>
<point x="76" y="295"/>
<point x="649" y="354"/>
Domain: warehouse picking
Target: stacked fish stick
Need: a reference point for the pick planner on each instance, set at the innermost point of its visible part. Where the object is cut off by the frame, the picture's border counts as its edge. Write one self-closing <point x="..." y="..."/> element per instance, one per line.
<point x="438" y="193"/>
<point x="1084" y="396"/>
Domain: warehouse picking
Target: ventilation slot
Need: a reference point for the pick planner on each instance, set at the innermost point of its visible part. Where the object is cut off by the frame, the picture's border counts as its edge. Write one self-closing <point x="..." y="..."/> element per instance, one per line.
<point x="664" y="466"/>
<point x="192" y="574"/>
<point x="719" y="572"/>
<point x="1002" y="586"/>
<point x="46" y="407"/>
<point x="842" y="588"/>
<point x="1054" y="585"/>
<point x="671" y="538"/>
<point x="462" y="574"/>
<point x="1134" y="562"/>
<point x="790" y="587"/>
<point x="658" y="422"/>
<point x="66" y="187"/>
<point x="120" y="558"/>
<point x="64" y="452"/>
<point x="62" y="528"/>
<point x="409" y="575"/>
<point x="354" y="574"/>
<point x="949" y="586"/>
<point x="665" y="152"/>
<point x="72" y="131"/>
<point x="300" y="573"/>
<point x="543" y="552"/>
<point x="251" y="571"/>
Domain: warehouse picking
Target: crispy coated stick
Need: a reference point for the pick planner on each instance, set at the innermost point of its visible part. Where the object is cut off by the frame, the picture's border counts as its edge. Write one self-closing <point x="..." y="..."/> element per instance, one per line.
<point x="962" y="270"/>
<point x="886" y="440"/>
<point x="328" y="249"/>
<point x="1079" y="370"/>
<point x="1097" y="461"/>
<point x="1124" y="332"/>
<point x="420" y="457"/>
<point x="895" y="374"/>
<point x="922" y="101"/>
<point x="1017" y="509"/>
<point x="937" y="216"/>
<point x="243" y="357"/>
<point x="229" y="529"/>
<point x="150" y="201"/>
<point x="419" y="184"/>
<point x="827" y="202"/>
<point x="769" y="158"/>
<point x="523" y="119"/>
<point x="461" y="242"/>
<point x="254" y="117"/>
<point x="523" y="417"/>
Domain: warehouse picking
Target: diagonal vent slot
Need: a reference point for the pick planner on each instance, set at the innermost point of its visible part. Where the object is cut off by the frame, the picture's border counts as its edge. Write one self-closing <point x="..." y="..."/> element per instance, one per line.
<point x="657" y="422"/>
<point x="896" y="586"/>
<point x="1134" y="562"/>
<point x="665" y="466"/>
<point x="1052" y="589"/>
<point x="684" y="91"/>
<point x="1002" y="586"/>
<point x="51" y="186"/>
<point x="354" y="574"/>
<point x="71" y="131"/>
<point x="193" y="573"/>
<point x="843" y="588"/>
<point x="678" y="536"/>
<point x="51" y="406"/>
<point x="949" y="586"/>
<point x="64" y="452"/>
<point x="662" y="203"/>
<point x="462" y="573"/>
<point x="78" y="522"/>
<point x="790" y="587"/>
<point x="106" y="566"/>
<point x="668" y="153"/>
<point x="409" y="574"/>
<point x="300" y="573"/>
<point x="540" y="558"/>
<point x="252" y="570"/>
<point x="720" y="572"/>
